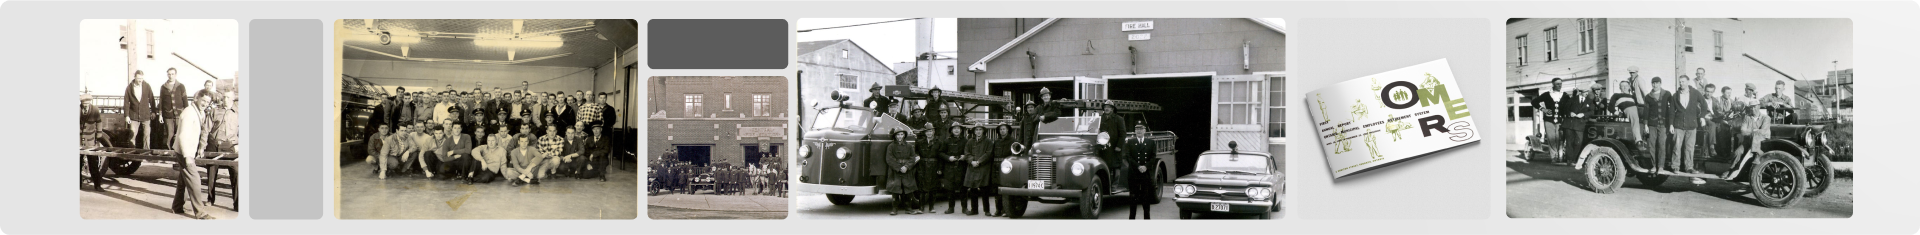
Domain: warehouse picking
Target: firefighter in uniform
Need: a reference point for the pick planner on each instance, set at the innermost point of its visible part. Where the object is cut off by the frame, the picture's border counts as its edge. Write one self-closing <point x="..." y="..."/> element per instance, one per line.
<point x="1142" y="188"/>
<point x="980" y="170"/>
<point x="953" y="172"/>
<point x="927" y="178"/>
<point x="880" y="103"/>
<point x="900" y="182"/>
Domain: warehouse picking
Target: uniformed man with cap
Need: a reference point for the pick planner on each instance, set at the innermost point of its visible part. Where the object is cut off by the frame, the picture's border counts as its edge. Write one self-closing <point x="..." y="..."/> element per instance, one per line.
<point x="1142" y="157"/>
<point x="900" y="175"/>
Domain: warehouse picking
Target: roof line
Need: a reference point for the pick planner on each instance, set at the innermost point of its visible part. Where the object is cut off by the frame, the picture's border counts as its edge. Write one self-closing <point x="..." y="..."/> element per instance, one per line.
<point x="863" y="50"/>
<point x="981" y="66"/>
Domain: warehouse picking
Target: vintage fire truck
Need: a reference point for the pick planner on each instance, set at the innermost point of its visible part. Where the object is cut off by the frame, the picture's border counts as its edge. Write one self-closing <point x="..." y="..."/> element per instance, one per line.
<point x="1075" y="159"/>
<point x="1795" y="162"/>
<point x="844" y="138"/>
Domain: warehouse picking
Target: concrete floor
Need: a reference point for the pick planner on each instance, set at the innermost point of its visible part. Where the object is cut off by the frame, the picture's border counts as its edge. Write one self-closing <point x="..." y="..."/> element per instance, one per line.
<point x="362" y="195"/>
<point x="146" y="194"/>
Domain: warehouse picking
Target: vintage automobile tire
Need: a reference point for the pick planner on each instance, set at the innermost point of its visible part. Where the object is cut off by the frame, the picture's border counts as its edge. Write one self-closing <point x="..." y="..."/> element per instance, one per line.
<point x="1016" y="206"/>
<point x="122" y="166"/>
<point x="1651" y="180"/>
<point x="1603" y="172"/>
<point x="1184" y="214"/>
<point x="1090" y="199"/>
<point x="1266" y="216"/>
<point x="1777" y="179"/>
<point x="840" y="199"/>
<point x="1819" y="176"/>
<point x="1276" y="204"/>
<point x="1157" y="179"/>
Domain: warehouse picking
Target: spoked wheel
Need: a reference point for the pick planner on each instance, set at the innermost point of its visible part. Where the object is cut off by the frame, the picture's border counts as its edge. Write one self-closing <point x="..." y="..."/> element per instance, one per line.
<point x="1016" y="206"/>
<point x="1819" y="176"/>
<point x="1778" y="180"/>
<point x="839" y="199"/>
<point x="1604" y="171"/>
<point x="1090" y="200"/>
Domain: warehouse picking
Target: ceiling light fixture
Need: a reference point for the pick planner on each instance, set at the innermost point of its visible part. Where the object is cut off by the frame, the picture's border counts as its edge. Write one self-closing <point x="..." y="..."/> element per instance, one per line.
<point x="533" y="42"/>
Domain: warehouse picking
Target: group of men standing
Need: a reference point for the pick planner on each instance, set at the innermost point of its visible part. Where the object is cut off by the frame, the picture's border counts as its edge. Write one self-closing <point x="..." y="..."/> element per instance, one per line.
<point x="1675" y="125"/>
<point x="670" y="173"/>
<point x="158" y="121"/>
<point x="472" y="136"/>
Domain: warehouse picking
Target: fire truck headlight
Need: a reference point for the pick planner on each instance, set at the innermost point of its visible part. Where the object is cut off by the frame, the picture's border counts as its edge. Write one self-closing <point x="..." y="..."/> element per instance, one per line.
<point x="1006" y="166"/>
<point x="840" y="153"/>
<point x="1079" y="168"/>
<point x="806" y="151"/>
<point x="1103" y="138"/>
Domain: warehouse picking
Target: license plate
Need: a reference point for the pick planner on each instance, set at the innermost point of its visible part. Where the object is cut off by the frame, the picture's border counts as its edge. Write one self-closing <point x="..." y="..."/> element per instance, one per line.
<point x="1036" y="184"/>
<point x="1218" y="206"/>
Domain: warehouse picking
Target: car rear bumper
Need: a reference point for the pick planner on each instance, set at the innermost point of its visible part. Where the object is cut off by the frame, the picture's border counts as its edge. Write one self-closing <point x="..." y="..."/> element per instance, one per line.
<point x="1205" y="205"/>
<point x="836" y="189"/>
<point x="1071" y="193"/>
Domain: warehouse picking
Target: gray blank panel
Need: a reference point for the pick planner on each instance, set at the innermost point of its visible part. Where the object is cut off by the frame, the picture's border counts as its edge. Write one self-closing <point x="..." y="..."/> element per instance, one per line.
<point x="717" y="44"/>
<point x="287" y="158"/>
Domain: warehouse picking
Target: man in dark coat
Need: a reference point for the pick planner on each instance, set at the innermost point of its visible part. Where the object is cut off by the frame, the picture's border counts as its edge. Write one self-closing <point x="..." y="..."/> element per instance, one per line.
<point x="1659" y="132"/>
<point x="953" y="174"/>
<point x="878" y="101"/>
<point x="900" y="175"/>
<point x="1141" y="155"/>
<point x="1688" y="106"/>
<point x="173" y="100"/>
<point x="139" y="110"/>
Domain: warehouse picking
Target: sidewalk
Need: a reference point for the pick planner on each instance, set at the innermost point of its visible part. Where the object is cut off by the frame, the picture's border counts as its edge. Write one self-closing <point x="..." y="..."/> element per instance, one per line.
<point x="720" y="202"/>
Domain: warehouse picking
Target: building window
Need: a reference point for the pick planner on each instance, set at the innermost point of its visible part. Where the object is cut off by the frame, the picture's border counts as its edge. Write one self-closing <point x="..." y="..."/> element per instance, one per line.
<point x="1717" y="46"/>
<point x="1520" y="51"/>
<point x="1553" y="43"/>
<point x="150" y="48"/>
<point x="1589" y="35"/>
<point x="1686" y="35"/>
<point x="1277" y="107"/>
<point x="1520" y="105"/>
<point x="848" y="81"/>
<point x="950" y="70"/>
<point x="1239" y="103"/>
<point x="843" y="53"/>
<point x="728" y="98"/>
<point x="762" y="105"/>
<point x="693" y="104"/>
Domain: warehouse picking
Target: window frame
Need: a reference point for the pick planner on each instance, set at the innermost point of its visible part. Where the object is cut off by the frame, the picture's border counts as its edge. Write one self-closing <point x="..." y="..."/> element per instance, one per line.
<point x="1521" y="55"/>
<point x="849" y="81"/>
<point x="692" y="104"/>
<point x="1553" y="43"/>
<point x="762" y="104"/>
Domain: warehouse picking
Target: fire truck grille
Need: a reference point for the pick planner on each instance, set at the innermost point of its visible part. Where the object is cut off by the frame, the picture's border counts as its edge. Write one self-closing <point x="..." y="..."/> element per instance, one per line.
<point x="1042" y="168"/>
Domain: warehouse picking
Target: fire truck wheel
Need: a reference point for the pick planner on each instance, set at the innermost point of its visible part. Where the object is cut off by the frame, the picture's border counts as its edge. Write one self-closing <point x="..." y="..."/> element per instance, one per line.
<point x="1778" y="180"/>
<point x="1604" y="172"/>
<point x="1017" y="206"/>
<point x="1819" y="176"/>
<point x="1090" y="199"/>
<point x="839" y="199"/>
<point x="122" y="166"/>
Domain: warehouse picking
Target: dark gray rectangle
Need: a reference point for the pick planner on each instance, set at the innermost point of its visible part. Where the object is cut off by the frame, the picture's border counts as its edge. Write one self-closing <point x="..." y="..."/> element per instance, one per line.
<point x="283" y="52"/>
<point x="717" y="44"/>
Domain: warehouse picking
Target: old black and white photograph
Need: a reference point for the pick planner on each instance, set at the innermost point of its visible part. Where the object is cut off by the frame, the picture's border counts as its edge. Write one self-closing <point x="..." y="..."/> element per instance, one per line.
<point x="1040" y="118"/>
<point x="159" y="119"/>
<point x="486" y="119"/>
<point x="1679" y="118"/>
<point x="717" y="147"/>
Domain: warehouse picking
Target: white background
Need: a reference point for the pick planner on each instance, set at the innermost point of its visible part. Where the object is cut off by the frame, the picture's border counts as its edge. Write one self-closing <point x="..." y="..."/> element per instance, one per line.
<point x="41" y="54"/>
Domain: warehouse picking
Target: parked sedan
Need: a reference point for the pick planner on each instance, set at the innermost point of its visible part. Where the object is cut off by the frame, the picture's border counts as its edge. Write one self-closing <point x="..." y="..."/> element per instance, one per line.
<point x="1229" y="181"/>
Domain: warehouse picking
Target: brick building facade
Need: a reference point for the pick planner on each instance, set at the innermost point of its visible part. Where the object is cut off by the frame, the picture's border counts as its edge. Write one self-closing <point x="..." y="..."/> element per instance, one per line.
<point x="717" y="119"/>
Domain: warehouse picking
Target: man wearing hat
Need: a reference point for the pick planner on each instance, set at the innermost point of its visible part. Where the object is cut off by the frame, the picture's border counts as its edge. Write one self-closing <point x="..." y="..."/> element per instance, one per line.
<point x="878" y="100"/>
<point x="1657" y="102"/>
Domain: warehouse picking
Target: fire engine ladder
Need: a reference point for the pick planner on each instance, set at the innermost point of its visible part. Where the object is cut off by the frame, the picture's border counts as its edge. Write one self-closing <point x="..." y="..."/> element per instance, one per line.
<point x="1123" y="106"/>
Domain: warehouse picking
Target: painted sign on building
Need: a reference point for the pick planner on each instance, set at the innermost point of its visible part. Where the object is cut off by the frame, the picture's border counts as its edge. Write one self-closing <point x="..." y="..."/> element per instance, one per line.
<point x="1136" y="26"/>
<point x="752" y="132"/>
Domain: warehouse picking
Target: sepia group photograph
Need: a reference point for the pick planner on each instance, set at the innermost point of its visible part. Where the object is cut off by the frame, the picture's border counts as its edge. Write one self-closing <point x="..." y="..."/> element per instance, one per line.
<point x="486" y="119"/>
<point x="1040" y="118"/>
<point x="1680" y="118"/>
<point x="718" y="146"/>
<point x="159" y="119"/>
